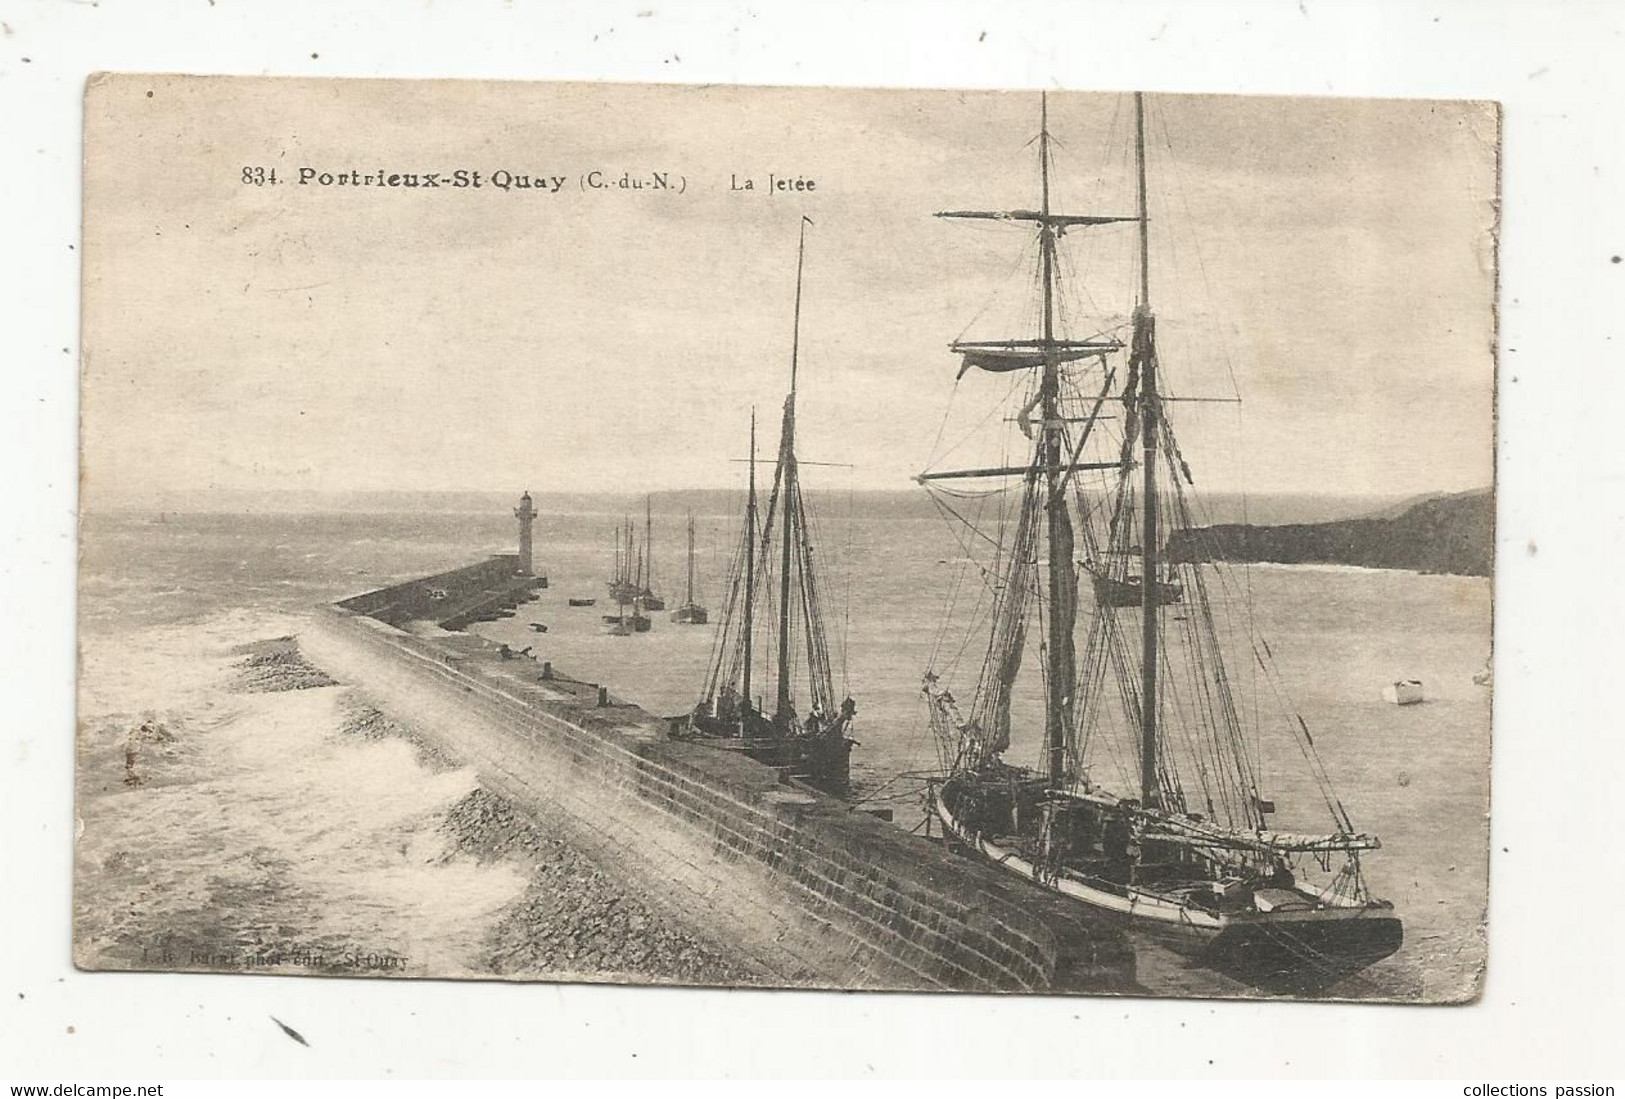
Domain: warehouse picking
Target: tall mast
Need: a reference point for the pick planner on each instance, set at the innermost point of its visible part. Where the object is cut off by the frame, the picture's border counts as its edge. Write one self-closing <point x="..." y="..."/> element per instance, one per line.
<point x="750" y="557"/>
<point x="1150" y="410"/>
<point x="787" y="482"/>
<point x="649" y="543"/>
<point x="690" y="598"/>
<point x="1060" y="671"/>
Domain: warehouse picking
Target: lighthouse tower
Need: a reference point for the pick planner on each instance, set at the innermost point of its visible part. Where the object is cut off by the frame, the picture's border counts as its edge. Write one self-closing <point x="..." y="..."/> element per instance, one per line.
<point x="526" y="514"/>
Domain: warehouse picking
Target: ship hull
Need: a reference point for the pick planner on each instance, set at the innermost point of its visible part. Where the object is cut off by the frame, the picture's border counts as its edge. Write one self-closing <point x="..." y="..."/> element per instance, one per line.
<point x="822" y="762"/>
<point x="1122" y="593"/>
<point x="1298" y="949"/>
<point x="690" y="614"/>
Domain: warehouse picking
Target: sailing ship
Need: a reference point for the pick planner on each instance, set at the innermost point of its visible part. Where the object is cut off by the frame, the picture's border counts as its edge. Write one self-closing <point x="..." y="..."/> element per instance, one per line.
<point x="632" y="580"/>
<point x="626" y="587"/>
<point x="646" y="578"/>
<point x="1145" y="802"/>
<point x="776" y="552"/>
<point x="622" y="624"/>
<point x="1128" y="591"/>
<point x="623" y="585"/>
<point x="690" y="613"/>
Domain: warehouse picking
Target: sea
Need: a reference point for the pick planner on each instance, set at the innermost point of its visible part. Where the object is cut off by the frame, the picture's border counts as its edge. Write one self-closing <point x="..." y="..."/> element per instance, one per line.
<point x="255" y="828"/>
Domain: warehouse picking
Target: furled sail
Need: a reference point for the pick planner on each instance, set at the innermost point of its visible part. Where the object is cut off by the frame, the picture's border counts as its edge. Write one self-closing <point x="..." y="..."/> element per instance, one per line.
<point x="1000" y="357"/>
<point x="1064" y="609"/>
<point x="990" y="725"/>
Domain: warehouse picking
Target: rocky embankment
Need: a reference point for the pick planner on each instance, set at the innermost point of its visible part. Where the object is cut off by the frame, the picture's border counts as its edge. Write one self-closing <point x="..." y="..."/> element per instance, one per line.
<point x="574" y="919"/>
<point x="276" y="665"/>
<point x="1441" y="534"/>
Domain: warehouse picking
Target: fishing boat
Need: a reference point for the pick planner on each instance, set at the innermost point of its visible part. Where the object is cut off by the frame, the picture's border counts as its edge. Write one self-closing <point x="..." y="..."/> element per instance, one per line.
<point x="646" y="562"/>
<point x="1145" y="800"/>
<point x="582" y="601"/>
<point x="690" y="613"/>
<point x="623" y="585"/>
<point x="776" y="552"/>
<point x="1128" y="591"/>
<point x="621" y="623"/>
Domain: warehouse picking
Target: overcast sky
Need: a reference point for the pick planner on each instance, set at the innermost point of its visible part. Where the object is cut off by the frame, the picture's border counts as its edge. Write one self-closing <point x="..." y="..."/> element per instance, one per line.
<point x="1332" y="260"/>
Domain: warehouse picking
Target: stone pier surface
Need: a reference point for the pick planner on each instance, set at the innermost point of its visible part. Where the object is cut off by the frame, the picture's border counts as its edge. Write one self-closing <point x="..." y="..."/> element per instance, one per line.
<point x="810" y="892"/>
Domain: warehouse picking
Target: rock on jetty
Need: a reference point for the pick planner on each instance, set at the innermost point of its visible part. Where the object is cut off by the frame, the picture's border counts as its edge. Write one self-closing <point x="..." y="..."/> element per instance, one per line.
<point x="575" y="919"/>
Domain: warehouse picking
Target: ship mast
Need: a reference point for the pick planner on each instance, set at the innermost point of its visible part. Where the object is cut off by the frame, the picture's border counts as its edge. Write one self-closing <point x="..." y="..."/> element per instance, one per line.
<point x="1047" y="353"/>
<point x="689" y="598"/>
<point x="1060" y="620"/>
<point x="649" y="544"/>
<point x="787" y="480"/>
<point x="1144" y="350"/>
<point x="750" y="559"/>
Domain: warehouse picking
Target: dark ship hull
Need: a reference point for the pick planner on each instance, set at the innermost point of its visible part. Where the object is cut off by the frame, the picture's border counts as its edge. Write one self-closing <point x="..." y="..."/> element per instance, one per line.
<point x="691" y="614"/>
<point x="627" y="623"/>
<point x="820" y="760"/>
<point x="1267" y="930"/>
<point x="1131" y="593"/>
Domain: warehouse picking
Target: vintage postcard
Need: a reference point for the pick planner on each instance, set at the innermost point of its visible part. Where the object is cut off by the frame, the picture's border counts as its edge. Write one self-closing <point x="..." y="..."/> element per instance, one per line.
<point x="809" y="538"/>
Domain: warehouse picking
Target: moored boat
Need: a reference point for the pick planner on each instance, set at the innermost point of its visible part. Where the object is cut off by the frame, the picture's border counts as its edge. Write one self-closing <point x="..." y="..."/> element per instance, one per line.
<point x="646" y="563"/>
<point x="1145" y="802"/>
<point x="1128" y="591"/>
<point x="690" y="613"/>
<point x="810" y="745"/>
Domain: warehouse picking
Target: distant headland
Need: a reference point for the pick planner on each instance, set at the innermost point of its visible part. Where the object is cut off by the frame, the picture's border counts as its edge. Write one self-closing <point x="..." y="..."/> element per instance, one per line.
<point x="1451" y="533"/>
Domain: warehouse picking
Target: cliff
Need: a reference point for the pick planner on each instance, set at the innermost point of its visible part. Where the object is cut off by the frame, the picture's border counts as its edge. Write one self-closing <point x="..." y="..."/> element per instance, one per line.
<point x="1445" y="534"/>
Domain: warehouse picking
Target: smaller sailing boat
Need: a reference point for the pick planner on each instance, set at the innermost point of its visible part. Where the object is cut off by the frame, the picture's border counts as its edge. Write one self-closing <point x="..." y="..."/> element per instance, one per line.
<point x="813" y="747"/>
<point x="690" y="613"/>
<point x="622" y="587"/>
<point x="1115" y="589"/>
<point x="621" y="624"/>
<point x="646" y="564"/>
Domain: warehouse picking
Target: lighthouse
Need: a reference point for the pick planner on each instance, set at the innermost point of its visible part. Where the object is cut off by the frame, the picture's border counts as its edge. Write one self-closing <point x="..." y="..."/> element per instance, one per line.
<point x="526" y="514"/>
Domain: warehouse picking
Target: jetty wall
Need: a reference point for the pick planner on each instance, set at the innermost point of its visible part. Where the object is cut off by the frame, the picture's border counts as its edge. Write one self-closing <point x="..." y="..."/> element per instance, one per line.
<point x="811" y="892"/>
<point x="454" y="599"/>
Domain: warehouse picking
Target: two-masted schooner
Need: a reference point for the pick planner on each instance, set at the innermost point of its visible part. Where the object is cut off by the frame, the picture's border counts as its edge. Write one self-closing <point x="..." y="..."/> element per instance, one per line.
<point x="1145" y="801"/>
<point x="773" y="588"/>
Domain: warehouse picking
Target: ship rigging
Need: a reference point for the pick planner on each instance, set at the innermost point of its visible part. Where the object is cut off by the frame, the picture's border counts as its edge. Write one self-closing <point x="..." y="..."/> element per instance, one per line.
<point x="776" y="558"/>
<point x="1181" y="842"/>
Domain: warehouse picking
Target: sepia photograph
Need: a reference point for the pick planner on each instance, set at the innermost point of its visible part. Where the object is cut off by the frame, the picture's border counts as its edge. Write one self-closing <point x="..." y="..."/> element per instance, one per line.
<point x="801" y="538"/>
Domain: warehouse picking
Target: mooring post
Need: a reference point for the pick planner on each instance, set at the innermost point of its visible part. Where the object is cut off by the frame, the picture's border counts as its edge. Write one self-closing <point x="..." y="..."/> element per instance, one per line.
<point x="603" y="696"/>
<point x="547" y="669"/>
